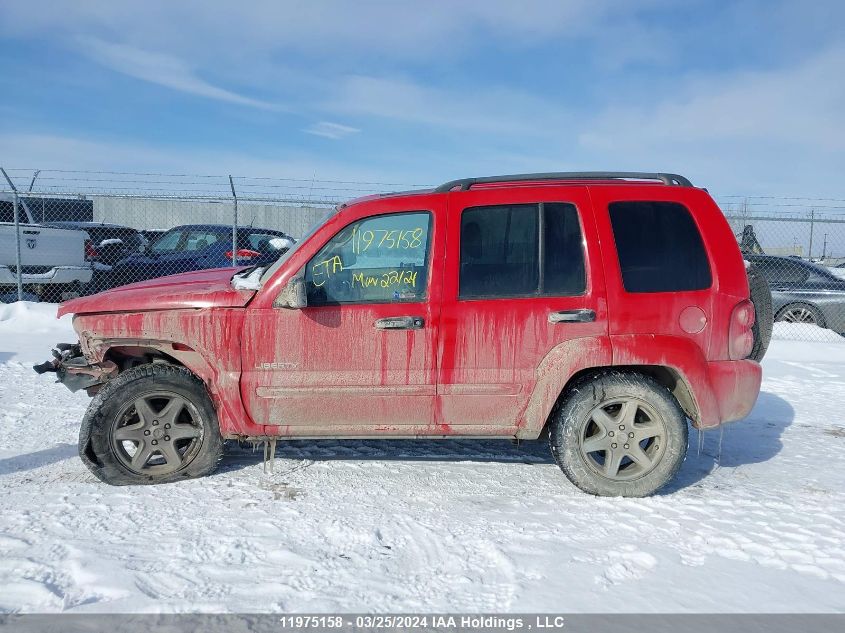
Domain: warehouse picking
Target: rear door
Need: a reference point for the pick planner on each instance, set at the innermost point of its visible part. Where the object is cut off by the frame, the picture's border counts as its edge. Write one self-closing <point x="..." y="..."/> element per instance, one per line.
<point x="523" y="275"/>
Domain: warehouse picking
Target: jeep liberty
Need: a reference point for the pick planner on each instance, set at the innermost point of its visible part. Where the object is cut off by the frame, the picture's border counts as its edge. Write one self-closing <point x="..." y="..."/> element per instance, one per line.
<point x="602" y="310"/>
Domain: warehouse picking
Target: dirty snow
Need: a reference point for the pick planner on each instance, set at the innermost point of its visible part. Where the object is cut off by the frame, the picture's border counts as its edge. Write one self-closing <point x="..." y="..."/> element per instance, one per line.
<point x="281" y="243"/>
<point x="754" y="522"/>
<point x="250" y="281"/>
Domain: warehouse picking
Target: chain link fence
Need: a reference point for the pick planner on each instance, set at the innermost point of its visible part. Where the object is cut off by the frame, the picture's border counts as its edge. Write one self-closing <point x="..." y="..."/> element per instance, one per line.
<point x="798" y="245"/>
<point x="64" y="233"/>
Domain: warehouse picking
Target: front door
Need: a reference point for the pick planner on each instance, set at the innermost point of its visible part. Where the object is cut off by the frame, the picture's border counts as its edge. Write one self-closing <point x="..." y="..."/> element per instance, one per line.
<point x="361" y="357"/>
<point x="523" y="276"/>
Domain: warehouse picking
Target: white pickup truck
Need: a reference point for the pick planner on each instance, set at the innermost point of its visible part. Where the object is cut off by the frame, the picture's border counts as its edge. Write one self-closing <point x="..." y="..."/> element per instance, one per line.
<point x="53" y="262"/>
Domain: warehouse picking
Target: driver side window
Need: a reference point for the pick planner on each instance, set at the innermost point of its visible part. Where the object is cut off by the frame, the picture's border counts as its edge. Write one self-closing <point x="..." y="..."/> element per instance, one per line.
<point x="380" y="259"/>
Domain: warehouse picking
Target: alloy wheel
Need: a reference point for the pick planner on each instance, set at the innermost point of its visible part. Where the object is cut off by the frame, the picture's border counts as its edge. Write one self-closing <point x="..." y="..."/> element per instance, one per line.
<point x="157" y="433"/>
<point x="622" y="439"/>
<point x="799" y="314"/>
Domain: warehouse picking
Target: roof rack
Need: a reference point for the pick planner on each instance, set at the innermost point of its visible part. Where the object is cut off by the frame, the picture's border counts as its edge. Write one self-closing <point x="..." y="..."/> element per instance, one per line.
<point x="666" y="179"/>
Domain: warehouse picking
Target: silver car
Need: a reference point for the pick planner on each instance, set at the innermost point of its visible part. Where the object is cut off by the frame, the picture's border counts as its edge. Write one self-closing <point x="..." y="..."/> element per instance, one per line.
<point x="803" y="292"/>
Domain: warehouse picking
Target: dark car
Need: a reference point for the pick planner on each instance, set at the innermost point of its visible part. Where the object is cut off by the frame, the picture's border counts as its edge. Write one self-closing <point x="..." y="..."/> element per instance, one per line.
<point x="803" y="292"/>
<point x="151" y="235"/>
<point x="109" y="243"/>
<point x="201" y="246"/>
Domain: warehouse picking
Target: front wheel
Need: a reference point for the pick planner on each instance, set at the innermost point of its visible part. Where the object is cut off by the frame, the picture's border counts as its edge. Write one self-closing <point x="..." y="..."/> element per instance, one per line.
<point x="619" y="435"/>
<point x="152" y="424"/>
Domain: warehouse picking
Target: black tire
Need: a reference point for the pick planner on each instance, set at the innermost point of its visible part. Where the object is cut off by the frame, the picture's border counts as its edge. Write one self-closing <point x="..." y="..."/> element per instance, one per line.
<point x="573" y="430"/>
<point x="761" y="297"/>
<point x="809" y="314"/>
<point x="124" y="416"/>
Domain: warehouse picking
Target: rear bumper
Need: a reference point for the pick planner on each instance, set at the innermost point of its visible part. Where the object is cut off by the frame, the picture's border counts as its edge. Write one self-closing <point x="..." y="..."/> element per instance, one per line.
<point x="57" y="275"/>
<point x="735" y="385"/>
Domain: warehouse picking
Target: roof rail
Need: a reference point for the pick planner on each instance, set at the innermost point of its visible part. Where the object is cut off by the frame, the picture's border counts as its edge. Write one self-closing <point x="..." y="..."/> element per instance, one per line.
<point x="666" y="179"/>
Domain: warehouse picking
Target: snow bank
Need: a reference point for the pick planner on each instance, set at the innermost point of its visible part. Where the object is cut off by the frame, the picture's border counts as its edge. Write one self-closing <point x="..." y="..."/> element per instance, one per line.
<point x="839" y="272"/>
<point x="28" y="331"/>
<point x="805" y="332"/>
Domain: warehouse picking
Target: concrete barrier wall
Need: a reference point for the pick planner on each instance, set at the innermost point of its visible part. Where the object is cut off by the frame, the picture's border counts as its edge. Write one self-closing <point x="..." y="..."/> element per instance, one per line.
<point x="150" y="213"/>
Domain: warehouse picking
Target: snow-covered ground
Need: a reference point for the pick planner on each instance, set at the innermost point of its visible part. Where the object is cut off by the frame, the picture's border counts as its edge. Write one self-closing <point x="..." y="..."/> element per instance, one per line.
<point x="754" y="522"/>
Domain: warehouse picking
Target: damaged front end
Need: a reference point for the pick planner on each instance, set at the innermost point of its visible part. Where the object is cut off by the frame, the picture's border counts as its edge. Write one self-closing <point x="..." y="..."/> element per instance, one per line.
<point x="74" y="371"/>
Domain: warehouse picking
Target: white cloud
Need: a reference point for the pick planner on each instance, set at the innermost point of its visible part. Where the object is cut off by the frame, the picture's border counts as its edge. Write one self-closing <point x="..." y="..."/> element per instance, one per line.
<point x="61" y="152"/>
<point x="206" y="28"/>
<point x="161" y="69"/>
<point x="800" y="104"/>
<point x="496" y="110"/>
<point x="334" y="131"/>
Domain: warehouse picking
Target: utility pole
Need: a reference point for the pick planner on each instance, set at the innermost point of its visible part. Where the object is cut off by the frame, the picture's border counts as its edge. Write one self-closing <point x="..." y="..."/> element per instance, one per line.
<point x="824" y="248"/>
<point x="234" y="223"/>
<point x="812" y="225"/>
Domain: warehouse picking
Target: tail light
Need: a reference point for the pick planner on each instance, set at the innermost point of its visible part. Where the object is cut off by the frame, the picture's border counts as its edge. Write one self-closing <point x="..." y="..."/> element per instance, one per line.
<point x="243" y="253"/>
<point x="90" y="251"/>
<point x="740" y="336"/>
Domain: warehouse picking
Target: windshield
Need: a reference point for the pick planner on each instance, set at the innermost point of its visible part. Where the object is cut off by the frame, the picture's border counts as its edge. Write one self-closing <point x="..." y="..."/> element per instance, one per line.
<point x="313" y="229"/>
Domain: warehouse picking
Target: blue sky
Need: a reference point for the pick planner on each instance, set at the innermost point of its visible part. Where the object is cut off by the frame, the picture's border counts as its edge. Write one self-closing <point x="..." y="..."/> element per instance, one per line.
<point x="742" y="97"/>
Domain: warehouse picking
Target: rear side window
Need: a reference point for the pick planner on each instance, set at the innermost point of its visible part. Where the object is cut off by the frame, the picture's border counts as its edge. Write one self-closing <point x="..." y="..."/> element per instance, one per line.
<point x="659" y="247"/>
<point x="521" y="250"/>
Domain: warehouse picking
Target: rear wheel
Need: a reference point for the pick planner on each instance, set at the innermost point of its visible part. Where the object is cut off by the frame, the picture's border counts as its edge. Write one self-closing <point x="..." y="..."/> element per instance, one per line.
<point x="619" y="434"/>
<point x="152" y="424"/>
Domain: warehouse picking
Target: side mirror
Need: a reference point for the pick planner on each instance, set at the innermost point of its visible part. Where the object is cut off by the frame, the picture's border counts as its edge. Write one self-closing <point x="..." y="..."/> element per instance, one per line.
<point x="293" y="295"/>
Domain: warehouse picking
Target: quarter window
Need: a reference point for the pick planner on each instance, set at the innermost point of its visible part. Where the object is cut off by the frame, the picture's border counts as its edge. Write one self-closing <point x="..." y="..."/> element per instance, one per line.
<point x="521" y="250"/>
<point x="380" y="259"/>
<point x="659" y="247"/>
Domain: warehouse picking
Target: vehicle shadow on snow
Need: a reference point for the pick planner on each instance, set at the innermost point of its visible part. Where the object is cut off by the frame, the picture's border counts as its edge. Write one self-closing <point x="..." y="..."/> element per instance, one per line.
<point x="495" y="450"/>
<point x="752" y="440"/>
<point x="755" y="439"/>
<point x="37" y="459"/>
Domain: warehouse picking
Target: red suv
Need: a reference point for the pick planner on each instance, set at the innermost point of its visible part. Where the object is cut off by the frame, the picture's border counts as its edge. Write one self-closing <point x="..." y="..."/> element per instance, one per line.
<point x="604" y="309"/>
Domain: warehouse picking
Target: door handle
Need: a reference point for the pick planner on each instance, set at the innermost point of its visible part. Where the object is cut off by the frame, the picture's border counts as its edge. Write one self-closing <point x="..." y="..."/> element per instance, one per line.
<point x="572" y="316"/>
<point x="400" y="323"/>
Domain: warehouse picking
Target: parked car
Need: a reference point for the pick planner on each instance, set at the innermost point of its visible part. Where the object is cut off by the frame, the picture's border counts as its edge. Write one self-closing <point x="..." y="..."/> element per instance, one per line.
<point x="53" y="263"/>
<point x="151" y="235"/>
<point x="803" y="292"/>
<point x="107" y="245"/>
<point x="198" y="247"/>
<point x="598" y="308"/>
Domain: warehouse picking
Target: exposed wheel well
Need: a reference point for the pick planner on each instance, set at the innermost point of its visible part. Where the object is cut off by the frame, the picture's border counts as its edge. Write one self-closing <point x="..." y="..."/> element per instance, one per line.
<point x="127" y="357"/>
<point x="666" y="376"/>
